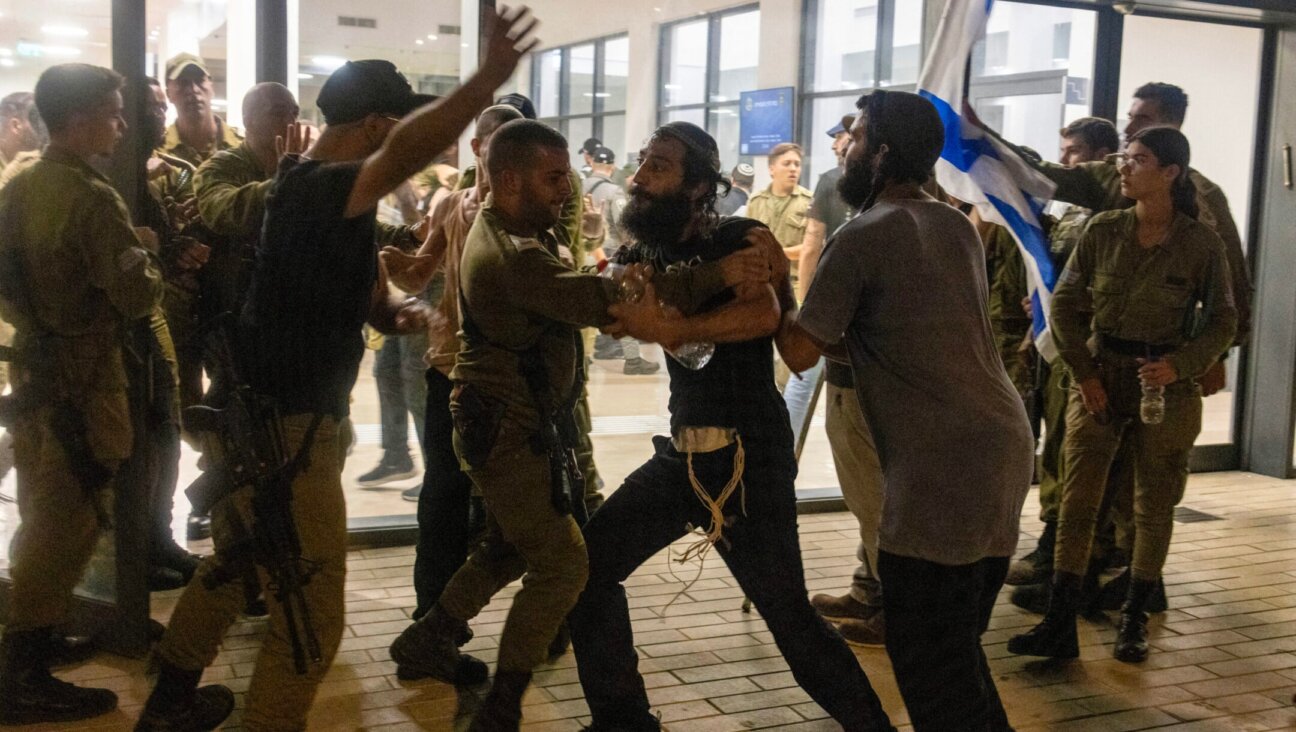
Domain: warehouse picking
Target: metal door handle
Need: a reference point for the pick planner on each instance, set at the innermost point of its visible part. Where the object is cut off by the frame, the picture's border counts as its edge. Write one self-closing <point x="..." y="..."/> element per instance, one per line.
<point x="1287" y="167"/>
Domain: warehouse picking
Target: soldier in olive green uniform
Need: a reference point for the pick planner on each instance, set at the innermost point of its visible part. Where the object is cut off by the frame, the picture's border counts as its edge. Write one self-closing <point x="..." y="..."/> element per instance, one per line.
<point x="522" y="310"/>
<point x="1008" y="319"/>
<point x="784" y="203"/>
<point x="1134" y="287"/>
<point x="73" y="273"/>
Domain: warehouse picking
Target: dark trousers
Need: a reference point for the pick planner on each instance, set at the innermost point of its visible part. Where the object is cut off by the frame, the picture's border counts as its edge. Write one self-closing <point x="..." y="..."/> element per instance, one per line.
<point x="650" y="511"/>
<point x="935" y="615"/>
<point x="443" y="505"/>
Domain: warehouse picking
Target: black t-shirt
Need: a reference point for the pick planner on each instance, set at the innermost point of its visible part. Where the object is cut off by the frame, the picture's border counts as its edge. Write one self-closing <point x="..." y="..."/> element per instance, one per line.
<point x="311" y="290"/>
<point x="736" y="388"/>
<point x="828" y="207"/>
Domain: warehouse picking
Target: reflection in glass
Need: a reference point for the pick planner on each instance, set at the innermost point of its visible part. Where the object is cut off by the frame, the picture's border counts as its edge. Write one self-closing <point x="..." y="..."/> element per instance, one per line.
<point x="1020" y="38"/>
<point x="739" y="56"/>
<point x="616" y="74"/>
<point x="579" y="129"/>
<point x="724" y="127"/>
<point x="906" y="44"/>
<point x="614" y="138"/>
<point x="549" y="75"/>
<point x="685" y="81"/>
<point x="825" y="114"/>
<point x="845" y="44"/>
<point x="580" y="70"/>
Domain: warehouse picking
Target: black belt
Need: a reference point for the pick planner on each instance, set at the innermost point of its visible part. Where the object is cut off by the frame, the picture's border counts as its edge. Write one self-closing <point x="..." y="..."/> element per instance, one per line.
<point x="1133" y="349"/>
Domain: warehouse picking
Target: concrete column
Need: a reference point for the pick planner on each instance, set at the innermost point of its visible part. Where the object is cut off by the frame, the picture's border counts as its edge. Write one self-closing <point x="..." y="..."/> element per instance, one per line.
<point x="240" y="56"/>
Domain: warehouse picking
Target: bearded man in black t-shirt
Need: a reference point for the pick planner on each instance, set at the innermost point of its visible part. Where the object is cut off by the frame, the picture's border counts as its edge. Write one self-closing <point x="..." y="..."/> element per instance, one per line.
<point x="728" y="464"/>
<point x="316" y="282"/>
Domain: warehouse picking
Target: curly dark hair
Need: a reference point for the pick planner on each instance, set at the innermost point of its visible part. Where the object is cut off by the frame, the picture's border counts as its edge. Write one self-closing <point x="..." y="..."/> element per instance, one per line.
<point x="701" y="166"/>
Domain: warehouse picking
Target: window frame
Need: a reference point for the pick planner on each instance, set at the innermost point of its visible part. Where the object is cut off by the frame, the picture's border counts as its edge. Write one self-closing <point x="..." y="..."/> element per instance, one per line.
<point x="712" y="83"/>
<point x="598" y="111"/>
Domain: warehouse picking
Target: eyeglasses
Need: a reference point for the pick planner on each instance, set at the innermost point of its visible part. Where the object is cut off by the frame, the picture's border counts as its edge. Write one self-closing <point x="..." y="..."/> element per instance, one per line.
<point x="1141" y="160"/>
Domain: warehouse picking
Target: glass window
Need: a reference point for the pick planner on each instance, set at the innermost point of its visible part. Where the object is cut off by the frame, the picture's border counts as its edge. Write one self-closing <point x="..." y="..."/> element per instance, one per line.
<point x="549" y="73"/>
<point x="845" y="45"/>
<point x="686" y="66"/>
<point x="582" y="89"/>
<point x="843" y="61"/>
<point x="1021" y="38"/>
<point x="1031" y="72"/>
<point x="718" y="63"/>
<point x="739" y="36"/>
<point x="580" y="69"/>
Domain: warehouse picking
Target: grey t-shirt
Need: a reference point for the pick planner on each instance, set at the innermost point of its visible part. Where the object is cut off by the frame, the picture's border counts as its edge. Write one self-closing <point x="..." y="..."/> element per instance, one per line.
<point x="609" y="198"/>
<point x="905" y="284"/>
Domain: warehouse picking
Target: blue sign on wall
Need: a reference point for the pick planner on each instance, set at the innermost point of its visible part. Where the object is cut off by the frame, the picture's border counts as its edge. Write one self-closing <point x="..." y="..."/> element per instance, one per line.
<point x="764" y="120"/>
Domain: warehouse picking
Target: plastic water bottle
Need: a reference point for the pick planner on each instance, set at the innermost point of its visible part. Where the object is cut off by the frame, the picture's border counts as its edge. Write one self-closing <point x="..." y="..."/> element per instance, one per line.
<point x="692" y="356"/>
<point x="1152" y="406"/>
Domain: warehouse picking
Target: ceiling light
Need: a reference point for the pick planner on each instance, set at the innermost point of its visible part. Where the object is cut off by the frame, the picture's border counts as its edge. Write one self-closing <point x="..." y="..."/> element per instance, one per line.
<point x="464" y="44"/>
<point x="8" y="63"/>
<point x="303" y="77"/>
<point x="328" y="62"/>
<point x="418" y="41"/>
<point x="432" y="37"/>
<point x="64" y="31"/>
<point x="6" y="52"/>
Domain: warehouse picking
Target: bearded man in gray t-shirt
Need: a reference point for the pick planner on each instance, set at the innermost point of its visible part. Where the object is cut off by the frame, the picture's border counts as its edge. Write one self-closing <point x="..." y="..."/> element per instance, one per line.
<point x="902" y="295"/>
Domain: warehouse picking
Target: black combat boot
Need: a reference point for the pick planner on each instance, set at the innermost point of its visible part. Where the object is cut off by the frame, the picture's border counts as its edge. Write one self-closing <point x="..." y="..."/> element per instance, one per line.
<point x="1037" y="566"/>
<point x="1114" y="593"/>
<point x="1055" y="637"/>
<point x="1131" y="634"/>
<point x="501" y="711"/>
<point x="29" y="694"/>
<point x="178" y="705"/>
<point x="429" y="647"/>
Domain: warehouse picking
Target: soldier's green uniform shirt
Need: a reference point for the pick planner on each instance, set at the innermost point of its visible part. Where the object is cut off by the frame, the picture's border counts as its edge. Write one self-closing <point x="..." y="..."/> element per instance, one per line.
<point x="568" y="230"/>
<point x="1145" y="294"/>
<point x="231" y="188"/>
<point x="784" y="215"/>
<point x="1096" y="186"/>
<point x="72" y="273"/>
<point x="1008" y="320"/>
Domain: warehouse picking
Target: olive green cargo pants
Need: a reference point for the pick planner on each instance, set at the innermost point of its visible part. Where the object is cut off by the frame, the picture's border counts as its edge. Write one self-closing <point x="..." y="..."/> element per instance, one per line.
<point x="278" y="698"/>
<point x="1159" y="459"/>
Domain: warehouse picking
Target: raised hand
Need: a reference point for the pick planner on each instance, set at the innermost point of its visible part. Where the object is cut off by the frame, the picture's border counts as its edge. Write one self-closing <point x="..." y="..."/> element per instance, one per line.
<point x="295" y="140"/>
<point x="510" y="39"/>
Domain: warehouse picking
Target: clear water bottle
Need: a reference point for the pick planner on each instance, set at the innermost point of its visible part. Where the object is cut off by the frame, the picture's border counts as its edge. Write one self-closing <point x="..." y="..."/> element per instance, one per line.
<point x="691" y="356"/>
<point x="1152" y="406"/>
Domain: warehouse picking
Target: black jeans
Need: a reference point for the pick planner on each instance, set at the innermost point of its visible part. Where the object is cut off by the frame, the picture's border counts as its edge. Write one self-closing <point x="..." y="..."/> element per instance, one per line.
<point x="650" y="511"/>
<point x="935" y="615"/>
<point x="443" y="506"/>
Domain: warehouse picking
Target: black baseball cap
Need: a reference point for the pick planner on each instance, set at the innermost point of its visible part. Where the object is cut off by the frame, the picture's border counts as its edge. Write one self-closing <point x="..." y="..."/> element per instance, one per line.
<point x="519" y="102"/>
<point x="695" y="138"/>
<point x="590" y="145"/>
<point x="602" y="154"/>
<point x="361" y="88"/>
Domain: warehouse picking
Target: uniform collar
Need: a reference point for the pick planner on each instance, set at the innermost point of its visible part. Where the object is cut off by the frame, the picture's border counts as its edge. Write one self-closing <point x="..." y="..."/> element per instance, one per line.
<point x="226" y="138"/>
<point x="63" y="157"/>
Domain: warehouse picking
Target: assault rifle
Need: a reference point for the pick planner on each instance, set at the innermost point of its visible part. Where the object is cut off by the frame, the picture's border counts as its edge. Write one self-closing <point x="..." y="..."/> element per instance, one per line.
<point x="253" y="454"/>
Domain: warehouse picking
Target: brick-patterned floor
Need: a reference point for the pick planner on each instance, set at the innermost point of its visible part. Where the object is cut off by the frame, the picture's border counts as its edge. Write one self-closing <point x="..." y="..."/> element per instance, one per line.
<point x="1224" y="656"/>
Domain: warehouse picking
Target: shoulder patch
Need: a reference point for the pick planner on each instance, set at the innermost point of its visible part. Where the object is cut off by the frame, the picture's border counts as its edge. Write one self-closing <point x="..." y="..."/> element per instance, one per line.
<point x="522" y="244"/>
<point x="131" y="259"/>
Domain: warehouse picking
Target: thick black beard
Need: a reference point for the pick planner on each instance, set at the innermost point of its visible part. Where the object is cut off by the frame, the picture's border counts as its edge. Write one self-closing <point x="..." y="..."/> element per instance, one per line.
<point x="656" y="222"/>
<point x="856" y="184"/>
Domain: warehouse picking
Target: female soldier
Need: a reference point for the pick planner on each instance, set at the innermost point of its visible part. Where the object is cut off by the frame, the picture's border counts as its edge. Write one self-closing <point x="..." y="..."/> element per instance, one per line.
<point x="1150" y="285"/>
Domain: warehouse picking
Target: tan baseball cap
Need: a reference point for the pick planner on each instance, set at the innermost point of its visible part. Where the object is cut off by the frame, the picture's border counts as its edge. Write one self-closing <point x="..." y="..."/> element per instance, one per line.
<point x="181" y="61"/>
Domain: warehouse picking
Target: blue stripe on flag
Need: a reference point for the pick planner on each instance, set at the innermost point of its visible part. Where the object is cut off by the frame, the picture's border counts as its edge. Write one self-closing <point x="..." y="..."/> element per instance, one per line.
<point x="959" y="151"/>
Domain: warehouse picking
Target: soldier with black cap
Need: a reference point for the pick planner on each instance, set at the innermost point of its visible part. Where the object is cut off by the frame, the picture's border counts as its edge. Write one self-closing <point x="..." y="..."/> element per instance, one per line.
<point x="728" y="465"/>
<point x="317" y="280"/>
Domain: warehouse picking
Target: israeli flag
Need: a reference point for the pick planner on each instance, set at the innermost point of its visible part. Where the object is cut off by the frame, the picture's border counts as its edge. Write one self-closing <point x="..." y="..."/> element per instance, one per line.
<point x="978" y="169"/>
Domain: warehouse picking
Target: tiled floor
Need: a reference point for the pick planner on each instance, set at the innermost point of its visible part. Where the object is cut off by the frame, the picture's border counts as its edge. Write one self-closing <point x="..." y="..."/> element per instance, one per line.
<point x="1224" y="656"/>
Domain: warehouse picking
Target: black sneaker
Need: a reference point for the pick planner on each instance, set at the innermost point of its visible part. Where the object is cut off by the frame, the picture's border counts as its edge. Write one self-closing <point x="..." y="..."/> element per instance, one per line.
<point x="640" y="367"/>
<point x="388" y="472"/>
<point x="38" y="697"/>
<point x="205" y="710"/>
<point x="412" y="494"/>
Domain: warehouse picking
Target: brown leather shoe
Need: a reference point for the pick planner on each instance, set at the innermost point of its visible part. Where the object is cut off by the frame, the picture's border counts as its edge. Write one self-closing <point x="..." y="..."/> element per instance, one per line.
<point x="869" y="633"/>
<point x="842" y="608"/>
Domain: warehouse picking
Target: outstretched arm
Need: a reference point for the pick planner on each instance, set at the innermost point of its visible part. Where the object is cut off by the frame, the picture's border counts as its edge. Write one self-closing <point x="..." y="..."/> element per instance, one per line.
<point x="429" y="130"/>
